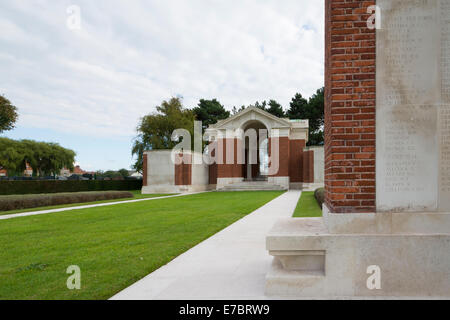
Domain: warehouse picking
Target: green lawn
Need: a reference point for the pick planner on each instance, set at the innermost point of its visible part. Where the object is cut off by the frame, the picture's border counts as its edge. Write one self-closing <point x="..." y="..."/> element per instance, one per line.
<point x="114" y="246"/>
<point x="137" y="195"/>
<point x="307" y="206"/>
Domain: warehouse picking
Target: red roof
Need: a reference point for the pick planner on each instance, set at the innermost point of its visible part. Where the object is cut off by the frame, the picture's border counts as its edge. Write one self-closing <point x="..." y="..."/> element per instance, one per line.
<point x="78" y="170"/>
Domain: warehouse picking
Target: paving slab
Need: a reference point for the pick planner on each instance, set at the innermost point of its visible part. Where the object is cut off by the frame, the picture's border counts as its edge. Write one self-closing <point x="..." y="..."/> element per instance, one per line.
<point x="232" y="264"/>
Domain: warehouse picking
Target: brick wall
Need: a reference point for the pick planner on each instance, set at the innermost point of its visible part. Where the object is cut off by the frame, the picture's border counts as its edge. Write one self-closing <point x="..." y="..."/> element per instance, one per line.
<point x="225" y="170"/>
<point x="350" y="55"/>
<point x="213" y="167"/>
<point x="283" y="157"/>
<point x="145" y="170"/>
<point x="183" y="171"/>
<point x="296" y="160"/>
<point x="308" y="166"/>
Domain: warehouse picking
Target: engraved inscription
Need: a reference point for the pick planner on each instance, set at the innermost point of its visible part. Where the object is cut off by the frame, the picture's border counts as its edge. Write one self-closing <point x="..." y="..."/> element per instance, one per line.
<point x="409" y="88"/>
<point x="444" y="113"/>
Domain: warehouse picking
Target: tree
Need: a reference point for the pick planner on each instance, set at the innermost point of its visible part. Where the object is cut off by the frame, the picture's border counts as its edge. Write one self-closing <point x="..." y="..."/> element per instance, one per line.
<point x="124" y="173"/>
<point x="112" y="174"/>
<point x="275" y="109"/>
<point x="313" y="110"/>
<point x="259" y="105"/>
<point x="45" y="158"/>
<point x="298" y="107"/>
<point x="236" y="111"/>
<point x="316" y="104"/>
<point x="155" y="130"/>
<point x="8" y="115"/>
<point x="316" y="138"/>
<point x="272" y="107"/>
<point x="210" y="112"/>
<point x="10" y="156"/>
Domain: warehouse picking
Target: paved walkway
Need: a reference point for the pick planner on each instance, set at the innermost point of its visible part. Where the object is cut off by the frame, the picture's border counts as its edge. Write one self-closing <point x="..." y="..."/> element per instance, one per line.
<point x="232" y="264"/>
<point x="33" y="213"/>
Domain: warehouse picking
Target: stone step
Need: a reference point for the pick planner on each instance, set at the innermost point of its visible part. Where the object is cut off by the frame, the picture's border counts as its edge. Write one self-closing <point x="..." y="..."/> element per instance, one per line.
<point x="255" y="187"/>
<point x="285" y="283"/>
<point x="251" y="186"/>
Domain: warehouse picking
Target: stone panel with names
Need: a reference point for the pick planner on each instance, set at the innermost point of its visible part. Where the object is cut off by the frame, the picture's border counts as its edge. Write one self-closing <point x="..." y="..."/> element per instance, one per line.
<point x="444" y="114"/>
<point x="412" y="118"/>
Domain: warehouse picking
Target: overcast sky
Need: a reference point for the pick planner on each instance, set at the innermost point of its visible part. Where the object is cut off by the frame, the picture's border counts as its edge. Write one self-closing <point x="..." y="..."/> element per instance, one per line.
<point x="86" y="89"/>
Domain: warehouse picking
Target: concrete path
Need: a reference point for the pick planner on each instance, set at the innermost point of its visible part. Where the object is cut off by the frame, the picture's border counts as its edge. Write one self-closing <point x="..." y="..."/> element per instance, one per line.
<point x="232" y="264"/>
<point x="34" y="213"/>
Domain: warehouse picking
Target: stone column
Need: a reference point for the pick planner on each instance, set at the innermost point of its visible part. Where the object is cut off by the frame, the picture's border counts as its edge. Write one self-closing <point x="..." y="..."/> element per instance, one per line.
<point x="385" y="230"/>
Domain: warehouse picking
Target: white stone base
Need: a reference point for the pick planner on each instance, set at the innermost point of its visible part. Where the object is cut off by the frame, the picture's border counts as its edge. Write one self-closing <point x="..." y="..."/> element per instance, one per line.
<point x="387" y="222"/>
<point x="280" y="181"/>
<point x="170" y="189"/>
<point x="222" y="182"/>
<point x="311" y="262"/>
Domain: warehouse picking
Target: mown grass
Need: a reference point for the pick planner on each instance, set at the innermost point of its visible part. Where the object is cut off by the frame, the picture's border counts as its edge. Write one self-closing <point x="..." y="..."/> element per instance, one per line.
<point x="136" y="195"/>
<point x="113" y="246"/>
<point x="307" y="206"/>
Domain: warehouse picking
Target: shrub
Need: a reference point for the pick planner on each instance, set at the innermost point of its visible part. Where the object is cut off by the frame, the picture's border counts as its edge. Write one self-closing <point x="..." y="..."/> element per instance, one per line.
<point x="319" y="194"/>
<point x="17" y="202"/>
<point x="56" y="186"/>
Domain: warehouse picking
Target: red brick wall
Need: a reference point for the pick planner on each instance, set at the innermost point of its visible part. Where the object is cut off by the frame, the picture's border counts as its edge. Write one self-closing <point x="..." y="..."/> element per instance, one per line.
<point x="145" y="170"/>
<point x="283" y="157"/>
<point x="350" y="55"/>
<point x="308" y="166"/>
<point x="213" y="174"/>
<point x="225" y="170"/>
<point x="183" y="171"/>
<point x="296" y="160"/>
<point x="238" y="168"/>
<point x="213" y="167"/>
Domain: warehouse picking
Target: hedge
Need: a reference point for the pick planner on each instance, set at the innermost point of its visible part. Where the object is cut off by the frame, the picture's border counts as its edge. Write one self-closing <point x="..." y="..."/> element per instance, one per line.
<point x="17" y="202"/>
<point x="319" y="194"/>
<point x="56" y="186"/>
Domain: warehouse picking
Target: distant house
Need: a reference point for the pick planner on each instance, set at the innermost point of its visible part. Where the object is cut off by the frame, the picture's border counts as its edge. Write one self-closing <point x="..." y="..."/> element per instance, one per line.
<point x="76" y="170"/>
<point x="28" y="172"/>
<point x="65" y="173"/>
<point x="135" y="174"/>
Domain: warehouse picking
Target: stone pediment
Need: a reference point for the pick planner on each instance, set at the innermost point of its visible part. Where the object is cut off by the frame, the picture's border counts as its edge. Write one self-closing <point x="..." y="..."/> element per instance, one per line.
<point x="240" y="119"/>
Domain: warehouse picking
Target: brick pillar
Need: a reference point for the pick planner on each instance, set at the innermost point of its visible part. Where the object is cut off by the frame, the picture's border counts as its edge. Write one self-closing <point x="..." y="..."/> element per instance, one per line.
<point x="350" y="55"/>
<point x="282" y="156"/>
<point x="237" y="168"/>
<point x="308" y="166"/>
<point x="213" y="167"/>
<point x="183" y="171"/>
<point x="145" y="170"/>
<point x="296" y="160"/>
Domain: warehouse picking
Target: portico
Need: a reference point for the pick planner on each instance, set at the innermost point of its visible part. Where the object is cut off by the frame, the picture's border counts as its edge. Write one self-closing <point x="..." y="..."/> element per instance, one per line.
<point x="254" y="145"/>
